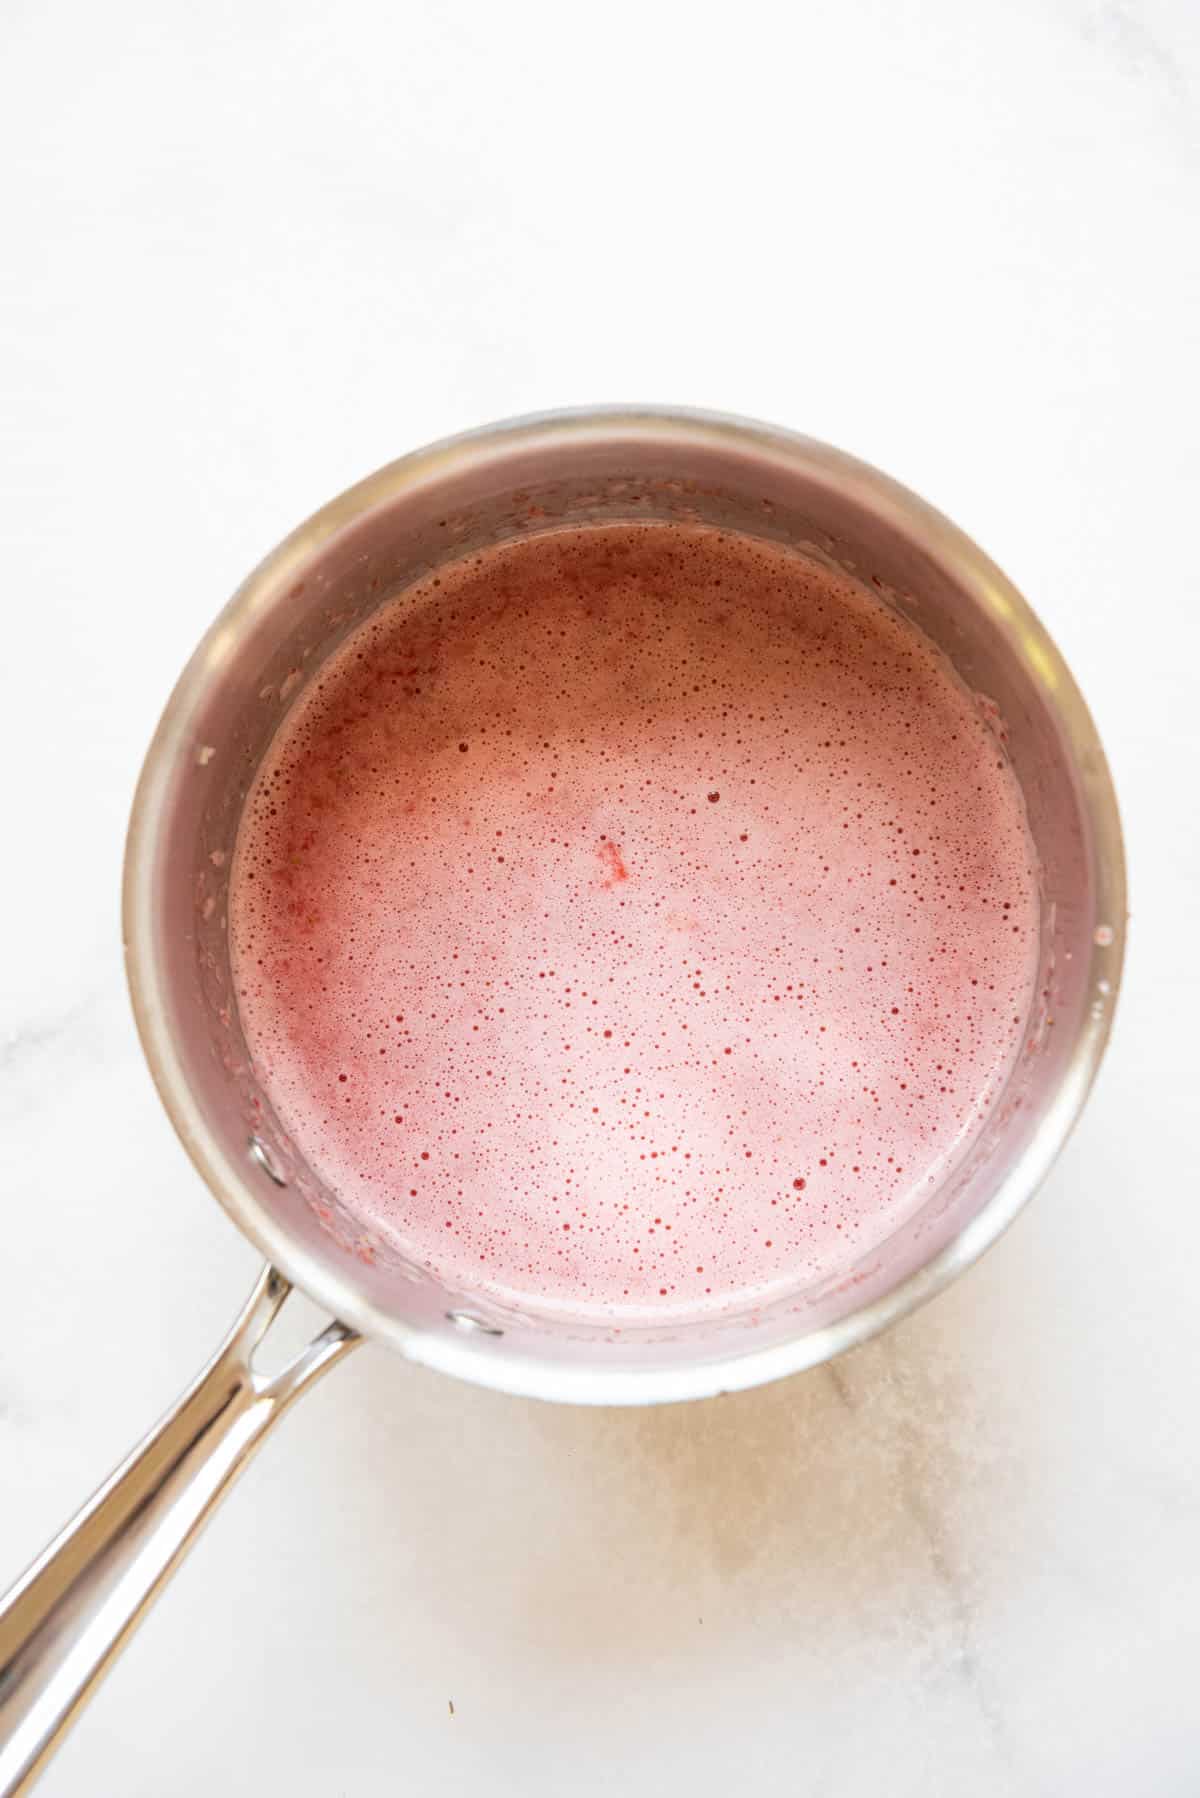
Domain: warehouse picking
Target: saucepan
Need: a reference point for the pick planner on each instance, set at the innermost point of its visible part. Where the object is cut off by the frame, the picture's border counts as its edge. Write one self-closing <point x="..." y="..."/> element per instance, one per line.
<point x="67" y="1617"/>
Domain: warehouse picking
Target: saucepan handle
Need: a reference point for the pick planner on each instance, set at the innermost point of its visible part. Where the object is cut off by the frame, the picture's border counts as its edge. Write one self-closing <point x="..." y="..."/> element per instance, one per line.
<point x="64" y="1621"/>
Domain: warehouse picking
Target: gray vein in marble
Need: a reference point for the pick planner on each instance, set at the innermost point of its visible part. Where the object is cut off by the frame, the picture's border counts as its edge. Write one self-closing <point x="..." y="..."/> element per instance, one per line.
<point x="931" y="1528"/>
<point x="26" y="1041"/>
<point x="40" y="1052"/>
<point x="1136" y="49"/>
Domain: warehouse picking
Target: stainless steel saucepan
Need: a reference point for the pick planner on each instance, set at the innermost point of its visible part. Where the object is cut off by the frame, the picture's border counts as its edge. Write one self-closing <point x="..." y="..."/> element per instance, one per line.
<point x="65" y="1620"/>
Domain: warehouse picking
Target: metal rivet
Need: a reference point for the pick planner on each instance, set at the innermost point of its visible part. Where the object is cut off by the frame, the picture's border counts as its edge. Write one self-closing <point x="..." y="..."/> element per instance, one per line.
<point x="471" y="1325"/>
<point x="259" y="1152"/>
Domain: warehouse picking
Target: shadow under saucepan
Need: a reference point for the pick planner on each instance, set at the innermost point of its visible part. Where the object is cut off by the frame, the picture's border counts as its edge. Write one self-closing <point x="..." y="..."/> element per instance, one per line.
<point x="619" y="1537"/>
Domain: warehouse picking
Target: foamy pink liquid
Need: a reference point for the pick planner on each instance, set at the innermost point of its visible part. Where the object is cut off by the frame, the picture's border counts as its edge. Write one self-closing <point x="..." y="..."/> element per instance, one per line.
<point x="635" y="921"/>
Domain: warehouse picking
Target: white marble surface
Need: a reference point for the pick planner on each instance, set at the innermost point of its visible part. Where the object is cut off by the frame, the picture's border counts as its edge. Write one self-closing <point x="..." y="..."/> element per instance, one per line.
<point x="253" y="250"/>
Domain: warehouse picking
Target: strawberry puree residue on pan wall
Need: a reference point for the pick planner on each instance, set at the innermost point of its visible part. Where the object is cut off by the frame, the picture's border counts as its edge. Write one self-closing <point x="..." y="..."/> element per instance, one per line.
<point x="634" y="920"/>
